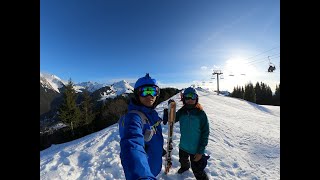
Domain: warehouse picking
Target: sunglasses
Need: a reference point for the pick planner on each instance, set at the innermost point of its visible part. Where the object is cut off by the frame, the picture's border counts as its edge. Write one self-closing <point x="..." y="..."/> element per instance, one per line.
<point x="149" y="90"/>
<point x="190" y="96"/>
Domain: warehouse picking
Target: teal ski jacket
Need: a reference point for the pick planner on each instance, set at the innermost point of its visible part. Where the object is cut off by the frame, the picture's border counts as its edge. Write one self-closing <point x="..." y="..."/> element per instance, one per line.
<point x="194" y="129"/>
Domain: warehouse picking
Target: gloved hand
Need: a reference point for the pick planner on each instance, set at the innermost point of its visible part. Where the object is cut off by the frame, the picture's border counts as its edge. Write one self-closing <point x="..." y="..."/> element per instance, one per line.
<point x="165" y="116"/>
<point x="171" y="100"/>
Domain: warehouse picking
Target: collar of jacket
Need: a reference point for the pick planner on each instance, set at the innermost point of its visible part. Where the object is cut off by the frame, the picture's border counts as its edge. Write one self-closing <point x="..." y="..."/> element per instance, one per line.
<point x="197" y="106"/>
<point x="142" y="108"/>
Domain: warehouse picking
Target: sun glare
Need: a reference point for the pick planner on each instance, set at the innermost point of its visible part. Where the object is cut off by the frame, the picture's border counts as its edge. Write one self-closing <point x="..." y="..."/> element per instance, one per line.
<point x="237" y="66"/>
<point x="237" y="71"/>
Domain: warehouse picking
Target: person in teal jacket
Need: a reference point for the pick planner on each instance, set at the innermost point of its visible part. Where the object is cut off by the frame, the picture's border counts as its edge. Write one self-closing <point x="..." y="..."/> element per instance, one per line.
<point x="194" y="130"/>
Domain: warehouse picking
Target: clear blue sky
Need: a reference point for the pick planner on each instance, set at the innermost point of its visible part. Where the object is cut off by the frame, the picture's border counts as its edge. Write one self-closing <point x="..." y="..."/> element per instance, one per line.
<point x="178" y="42"/>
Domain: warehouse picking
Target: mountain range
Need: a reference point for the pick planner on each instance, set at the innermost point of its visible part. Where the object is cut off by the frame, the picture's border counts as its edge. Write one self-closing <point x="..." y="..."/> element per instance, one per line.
<point x="52" y="87"/>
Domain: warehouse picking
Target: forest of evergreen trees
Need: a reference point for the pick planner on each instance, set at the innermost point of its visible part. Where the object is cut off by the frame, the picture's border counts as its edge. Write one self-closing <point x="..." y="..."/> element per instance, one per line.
<point x="259" y="94"/>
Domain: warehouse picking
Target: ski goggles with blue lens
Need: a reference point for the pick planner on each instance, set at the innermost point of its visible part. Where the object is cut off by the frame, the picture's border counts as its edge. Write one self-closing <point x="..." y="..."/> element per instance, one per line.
<point x="192" y="96"/>
<point x="148" y="90"/>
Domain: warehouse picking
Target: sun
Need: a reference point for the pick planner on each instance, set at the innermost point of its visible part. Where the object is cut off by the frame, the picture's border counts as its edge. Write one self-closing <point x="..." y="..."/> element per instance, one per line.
<point x="237" y="71"/>
<point x="237" y="66"/>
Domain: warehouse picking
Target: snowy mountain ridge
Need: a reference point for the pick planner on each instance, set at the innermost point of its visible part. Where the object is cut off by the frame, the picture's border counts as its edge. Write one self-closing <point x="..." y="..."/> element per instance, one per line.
<point x="119" y="88"/>
<point x="51" y="81"/>
<point x="54" y="82"/>
<point x="92" y="86"/>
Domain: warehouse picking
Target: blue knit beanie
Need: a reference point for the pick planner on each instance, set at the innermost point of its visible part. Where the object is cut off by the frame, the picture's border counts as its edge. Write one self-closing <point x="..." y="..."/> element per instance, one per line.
<point x="146" y="80"/>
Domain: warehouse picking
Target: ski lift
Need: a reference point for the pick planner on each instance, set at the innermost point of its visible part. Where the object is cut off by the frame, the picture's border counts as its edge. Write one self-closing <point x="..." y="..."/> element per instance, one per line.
<point x="221" y="78"/>
<point x="231" y="73"/>
<point x="272" y="67"/>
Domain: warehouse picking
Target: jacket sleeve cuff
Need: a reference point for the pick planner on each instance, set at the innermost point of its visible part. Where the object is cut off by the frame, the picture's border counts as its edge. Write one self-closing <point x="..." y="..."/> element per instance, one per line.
<point x="200" y="150"/>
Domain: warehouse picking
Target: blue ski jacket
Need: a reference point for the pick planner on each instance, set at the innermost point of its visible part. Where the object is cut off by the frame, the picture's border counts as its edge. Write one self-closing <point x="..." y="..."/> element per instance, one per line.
<point x="140" y="159"/>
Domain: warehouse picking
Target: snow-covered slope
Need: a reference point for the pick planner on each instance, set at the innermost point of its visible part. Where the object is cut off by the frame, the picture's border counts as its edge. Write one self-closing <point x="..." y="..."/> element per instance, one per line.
<point x="244" y="143"/>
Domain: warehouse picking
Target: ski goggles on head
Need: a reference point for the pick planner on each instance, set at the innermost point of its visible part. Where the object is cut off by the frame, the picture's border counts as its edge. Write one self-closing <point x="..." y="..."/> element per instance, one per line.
<point x="148" y="90"/>
<point x="192" y="96"/>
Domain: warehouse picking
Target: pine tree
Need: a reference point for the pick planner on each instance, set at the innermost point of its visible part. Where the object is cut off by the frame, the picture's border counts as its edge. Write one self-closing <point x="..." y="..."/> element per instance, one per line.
<point x="263" y="94"/>
<point x="239" y="94"/>
<point x="249" y="93"/>
<point x="276" y="97"/>
<point x="258" y="92"/>
<point x="69" y="112"/>
<point x="87" y="114"/>
<point x="242" y="93"/>
<point x="268" y="96"/>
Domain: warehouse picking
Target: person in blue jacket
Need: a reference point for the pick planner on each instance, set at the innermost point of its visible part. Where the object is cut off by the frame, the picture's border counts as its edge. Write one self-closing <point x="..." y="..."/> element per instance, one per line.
<point x="141" y="157"/>
<point x="194" y="130"/>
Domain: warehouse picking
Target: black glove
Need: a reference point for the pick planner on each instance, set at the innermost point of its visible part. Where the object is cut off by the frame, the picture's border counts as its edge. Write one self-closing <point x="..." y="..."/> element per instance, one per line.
<point x="165" y="116"/>
<point x="164" y="152"/>
<point x="171" y="100"/>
